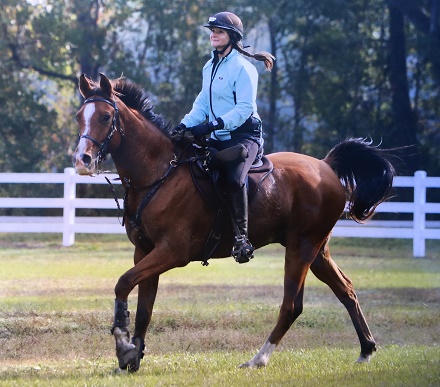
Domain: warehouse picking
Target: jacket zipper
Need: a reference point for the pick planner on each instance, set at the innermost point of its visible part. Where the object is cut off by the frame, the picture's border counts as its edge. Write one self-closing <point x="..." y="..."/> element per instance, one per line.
<point x="214" y="71"/>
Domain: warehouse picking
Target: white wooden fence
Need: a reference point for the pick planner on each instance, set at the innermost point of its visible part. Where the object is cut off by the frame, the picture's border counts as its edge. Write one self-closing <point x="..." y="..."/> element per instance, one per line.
<point x="418" y="229"/>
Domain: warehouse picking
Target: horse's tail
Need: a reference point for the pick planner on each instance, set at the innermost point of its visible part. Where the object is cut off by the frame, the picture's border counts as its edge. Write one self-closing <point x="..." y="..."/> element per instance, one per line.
<point x="366" y="172"/>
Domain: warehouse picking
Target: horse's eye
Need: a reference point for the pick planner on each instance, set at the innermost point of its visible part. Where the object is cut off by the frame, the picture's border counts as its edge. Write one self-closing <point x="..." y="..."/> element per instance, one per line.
<point x="77" y="118"/>
<point x="106" y="118"/>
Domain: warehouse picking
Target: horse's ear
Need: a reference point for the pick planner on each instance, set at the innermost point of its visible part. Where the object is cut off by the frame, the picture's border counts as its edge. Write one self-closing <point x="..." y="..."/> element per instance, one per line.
<point x="84" y="86"/>
<point x="106" y="86"/>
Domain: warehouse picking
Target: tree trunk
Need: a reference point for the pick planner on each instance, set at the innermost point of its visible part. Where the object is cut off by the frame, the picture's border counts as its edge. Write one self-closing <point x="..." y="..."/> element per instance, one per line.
<point x="404" y="128"/>
<point x="269" y="128"/>
<point x="87" y="13"/>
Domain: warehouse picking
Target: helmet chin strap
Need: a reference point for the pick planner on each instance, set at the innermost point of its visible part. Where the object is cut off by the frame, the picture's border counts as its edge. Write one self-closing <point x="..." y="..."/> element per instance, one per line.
<point x="220" y="52"/>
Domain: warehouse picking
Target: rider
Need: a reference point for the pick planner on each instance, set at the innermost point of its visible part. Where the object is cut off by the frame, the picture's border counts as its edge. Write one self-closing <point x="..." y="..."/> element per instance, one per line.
<point x="226" y="109"/>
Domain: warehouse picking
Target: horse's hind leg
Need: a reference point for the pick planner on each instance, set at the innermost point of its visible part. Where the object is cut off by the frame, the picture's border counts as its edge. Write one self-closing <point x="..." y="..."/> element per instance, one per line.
<point x="285" y="320"/>
<point x="295" y="272"/>
<point x="326" y="270"/>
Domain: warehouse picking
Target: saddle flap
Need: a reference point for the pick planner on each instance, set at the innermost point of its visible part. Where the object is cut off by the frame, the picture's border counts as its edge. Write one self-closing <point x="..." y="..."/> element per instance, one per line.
<point x="206" y="182"/>
<point x="233" y="154"/>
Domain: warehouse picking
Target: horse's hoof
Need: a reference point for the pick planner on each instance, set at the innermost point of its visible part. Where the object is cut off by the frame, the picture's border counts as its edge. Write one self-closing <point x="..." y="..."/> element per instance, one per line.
<point x="363" y="358"/>
<point x="128" y="358"/>
<point x="126" y="352"/>
<point x="251" y="364"/>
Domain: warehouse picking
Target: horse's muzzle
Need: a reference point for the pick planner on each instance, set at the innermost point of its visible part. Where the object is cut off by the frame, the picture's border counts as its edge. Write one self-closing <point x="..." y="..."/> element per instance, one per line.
<point x="83" y="164"/>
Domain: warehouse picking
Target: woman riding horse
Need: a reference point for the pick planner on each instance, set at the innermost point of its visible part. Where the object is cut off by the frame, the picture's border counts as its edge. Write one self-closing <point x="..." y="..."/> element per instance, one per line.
<point x="228" y="99"/>
<point x="168" y="221"/>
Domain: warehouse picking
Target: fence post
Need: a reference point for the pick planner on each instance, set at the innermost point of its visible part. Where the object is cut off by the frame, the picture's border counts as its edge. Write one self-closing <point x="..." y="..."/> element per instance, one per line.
<point x="419" y="214"/>
<point x="69" y="208"/>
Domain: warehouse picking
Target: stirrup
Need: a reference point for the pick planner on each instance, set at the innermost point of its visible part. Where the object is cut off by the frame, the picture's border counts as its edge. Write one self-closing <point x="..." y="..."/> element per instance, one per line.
<point x="242" y="251"/>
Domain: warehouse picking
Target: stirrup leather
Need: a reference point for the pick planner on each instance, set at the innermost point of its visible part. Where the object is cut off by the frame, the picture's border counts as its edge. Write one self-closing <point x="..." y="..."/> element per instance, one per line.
<point x="243" y="251"/>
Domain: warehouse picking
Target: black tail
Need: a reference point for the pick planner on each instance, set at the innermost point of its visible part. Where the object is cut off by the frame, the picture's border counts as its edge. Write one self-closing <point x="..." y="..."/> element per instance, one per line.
<point x="366" y="172"/>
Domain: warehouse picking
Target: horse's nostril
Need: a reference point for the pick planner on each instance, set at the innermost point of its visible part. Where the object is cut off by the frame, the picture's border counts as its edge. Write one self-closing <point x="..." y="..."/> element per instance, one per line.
<point x="86" y="159"/>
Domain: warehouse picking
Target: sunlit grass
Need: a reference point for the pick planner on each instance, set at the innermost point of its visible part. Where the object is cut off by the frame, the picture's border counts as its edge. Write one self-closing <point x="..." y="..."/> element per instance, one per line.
<point x="56" y="310"/>
<point x="392" y="366"/>
<point x="87" y="262"/>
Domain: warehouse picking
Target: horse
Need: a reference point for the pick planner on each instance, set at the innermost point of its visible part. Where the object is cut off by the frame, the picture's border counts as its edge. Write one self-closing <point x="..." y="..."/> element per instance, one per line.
<point x="168" y="220"/>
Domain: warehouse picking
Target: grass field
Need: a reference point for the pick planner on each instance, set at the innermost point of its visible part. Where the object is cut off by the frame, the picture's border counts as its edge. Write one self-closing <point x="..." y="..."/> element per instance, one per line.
<point x="56" y="309"/>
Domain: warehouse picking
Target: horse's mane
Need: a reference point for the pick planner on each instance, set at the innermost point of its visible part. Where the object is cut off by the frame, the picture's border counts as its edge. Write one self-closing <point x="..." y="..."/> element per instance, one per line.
<point x="136" y="98"/>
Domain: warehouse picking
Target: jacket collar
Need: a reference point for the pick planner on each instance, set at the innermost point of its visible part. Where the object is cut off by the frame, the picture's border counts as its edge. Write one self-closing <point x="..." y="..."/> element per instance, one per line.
<point x="231" y="54"/>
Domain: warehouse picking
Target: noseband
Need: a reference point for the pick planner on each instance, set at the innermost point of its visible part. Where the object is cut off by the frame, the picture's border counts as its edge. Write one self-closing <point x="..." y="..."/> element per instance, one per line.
<point x="102" y="152"/>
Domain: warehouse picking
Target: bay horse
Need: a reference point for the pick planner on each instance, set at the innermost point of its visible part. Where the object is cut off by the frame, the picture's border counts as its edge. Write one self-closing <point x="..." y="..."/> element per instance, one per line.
<point x="297" y="206"/>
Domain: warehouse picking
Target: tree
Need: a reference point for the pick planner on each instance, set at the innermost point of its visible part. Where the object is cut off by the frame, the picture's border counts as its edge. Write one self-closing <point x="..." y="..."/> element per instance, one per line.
<point x="27" y="123"/>
<point x="344" y="68"/>
<point x="44" y="46"/>
<point x="405" y="128"/>
<point x="332" y="71"/>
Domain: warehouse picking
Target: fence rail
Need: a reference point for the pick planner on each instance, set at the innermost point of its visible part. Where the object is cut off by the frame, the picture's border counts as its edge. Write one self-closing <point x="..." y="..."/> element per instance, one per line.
<point x="419" y="229"/>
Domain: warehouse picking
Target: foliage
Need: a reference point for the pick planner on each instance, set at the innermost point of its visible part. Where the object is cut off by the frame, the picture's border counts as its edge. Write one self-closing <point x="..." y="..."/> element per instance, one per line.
<point x="344" y="68"/>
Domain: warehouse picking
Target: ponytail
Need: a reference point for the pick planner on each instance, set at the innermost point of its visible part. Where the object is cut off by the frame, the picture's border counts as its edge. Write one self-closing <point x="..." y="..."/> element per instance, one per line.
<point x="262" y="56"/>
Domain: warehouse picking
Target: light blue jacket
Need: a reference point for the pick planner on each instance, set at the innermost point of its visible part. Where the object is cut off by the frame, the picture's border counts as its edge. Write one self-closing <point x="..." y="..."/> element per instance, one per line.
<point x="229" y="93"/>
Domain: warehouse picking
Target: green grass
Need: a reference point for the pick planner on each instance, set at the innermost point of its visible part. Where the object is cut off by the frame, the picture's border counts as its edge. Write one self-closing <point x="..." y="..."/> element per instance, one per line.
<point x="56" y="308"/>
<point x="393" y="366"/>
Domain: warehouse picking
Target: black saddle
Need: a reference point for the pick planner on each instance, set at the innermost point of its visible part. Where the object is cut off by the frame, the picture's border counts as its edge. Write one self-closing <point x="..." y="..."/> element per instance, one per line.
<point x="205" y="176"/>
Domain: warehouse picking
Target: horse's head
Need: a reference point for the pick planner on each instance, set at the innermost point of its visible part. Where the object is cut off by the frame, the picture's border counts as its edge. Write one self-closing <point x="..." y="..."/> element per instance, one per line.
<point x="98" y="121"/>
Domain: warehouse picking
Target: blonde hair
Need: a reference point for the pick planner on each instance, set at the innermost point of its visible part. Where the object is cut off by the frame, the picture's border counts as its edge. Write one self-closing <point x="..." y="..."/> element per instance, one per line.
<point x="262" y="56"/>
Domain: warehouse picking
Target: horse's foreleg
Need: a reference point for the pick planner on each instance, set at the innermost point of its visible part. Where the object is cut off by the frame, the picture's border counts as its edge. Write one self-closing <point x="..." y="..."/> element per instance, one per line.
<point x="147" y="291"/>
<point x="291" y="308"/>
<point x="130" y="353"/>
<point x="124" y="349"/>
<point x="326" y="270"/>
<point x="145" y="273"/>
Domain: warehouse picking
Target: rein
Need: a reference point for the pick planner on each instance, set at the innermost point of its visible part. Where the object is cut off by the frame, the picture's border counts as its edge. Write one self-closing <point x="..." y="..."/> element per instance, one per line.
<point x="154" y="187"/>
<point x="116" y="127"/>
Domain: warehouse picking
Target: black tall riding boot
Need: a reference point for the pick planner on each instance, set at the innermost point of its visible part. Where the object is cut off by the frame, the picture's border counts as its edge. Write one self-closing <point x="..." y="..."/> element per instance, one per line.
<point x="242" y="250"/>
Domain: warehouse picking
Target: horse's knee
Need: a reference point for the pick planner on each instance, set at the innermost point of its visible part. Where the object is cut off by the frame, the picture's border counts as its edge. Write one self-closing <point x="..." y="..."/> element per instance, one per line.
<point x="123" y="287"/>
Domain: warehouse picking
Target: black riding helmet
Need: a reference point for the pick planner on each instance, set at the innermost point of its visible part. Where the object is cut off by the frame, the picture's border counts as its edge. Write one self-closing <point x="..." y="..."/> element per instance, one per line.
<point x="229" y="22"/>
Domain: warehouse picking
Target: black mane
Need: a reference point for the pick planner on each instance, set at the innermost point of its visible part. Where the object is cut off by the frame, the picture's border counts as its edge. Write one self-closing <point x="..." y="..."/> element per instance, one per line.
<point x="136" y="98"/>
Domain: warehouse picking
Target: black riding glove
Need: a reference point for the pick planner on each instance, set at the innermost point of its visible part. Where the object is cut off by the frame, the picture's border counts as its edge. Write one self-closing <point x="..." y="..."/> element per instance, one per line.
<point x="201" y="130"/>
<point x="179" y="128"/>
<point x="181" y="135"/>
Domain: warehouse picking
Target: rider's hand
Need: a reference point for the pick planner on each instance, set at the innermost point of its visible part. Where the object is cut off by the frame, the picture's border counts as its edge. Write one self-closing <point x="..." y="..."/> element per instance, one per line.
<point x="179" y="128"/>
<point x="181" y="135"/>
<point x="203" y="129"/>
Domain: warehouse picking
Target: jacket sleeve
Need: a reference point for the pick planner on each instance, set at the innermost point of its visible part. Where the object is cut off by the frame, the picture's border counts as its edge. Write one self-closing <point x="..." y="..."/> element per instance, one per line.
<point x="246" y="94"/>
<point x="199" y="111"/>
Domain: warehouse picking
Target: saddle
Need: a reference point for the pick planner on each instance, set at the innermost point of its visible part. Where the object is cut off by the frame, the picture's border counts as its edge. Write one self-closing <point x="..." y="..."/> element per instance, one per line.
<point x="205" y="178"/>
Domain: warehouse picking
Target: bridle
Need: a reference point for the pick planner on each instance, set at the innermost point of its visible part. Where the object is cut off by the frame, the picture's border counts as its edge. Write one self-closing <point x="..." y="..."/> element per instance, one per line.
<point x="115" y="127"/>
<point x="152" y="188"/>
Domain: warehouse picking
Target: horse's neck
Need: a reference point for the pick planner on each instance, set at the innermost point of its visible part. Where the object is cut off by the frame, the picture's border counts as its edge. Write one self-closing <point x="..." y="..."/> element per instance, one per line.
<point x="144" y="154"/>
